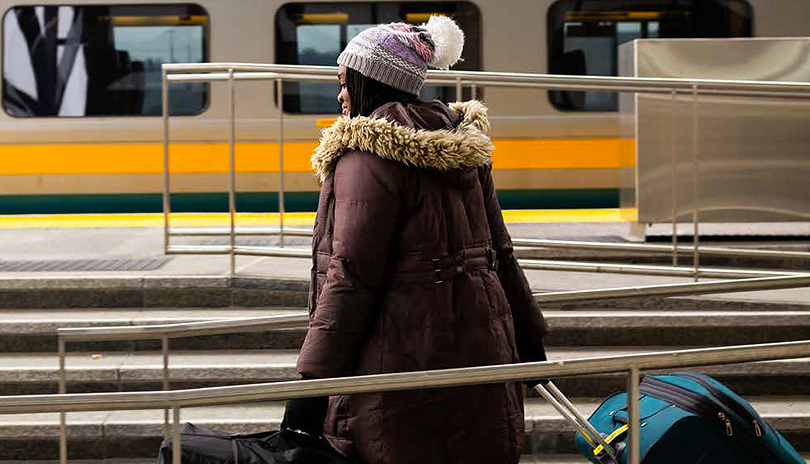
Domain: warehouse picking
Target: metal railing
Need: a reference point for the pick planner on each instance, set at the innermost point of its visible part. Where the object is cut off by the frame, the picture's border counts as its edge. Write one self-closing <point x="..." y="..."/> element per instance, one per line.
<point x="175" y="400"/>
<point x="166" y="332"/>
<point x="232" y="72"/>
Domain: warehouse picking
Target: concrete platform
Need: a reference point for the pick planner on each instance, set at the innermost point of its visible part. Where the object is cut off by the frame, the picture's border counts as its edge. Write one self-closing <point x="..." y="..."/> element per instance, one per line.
<point x="147" y="242"/>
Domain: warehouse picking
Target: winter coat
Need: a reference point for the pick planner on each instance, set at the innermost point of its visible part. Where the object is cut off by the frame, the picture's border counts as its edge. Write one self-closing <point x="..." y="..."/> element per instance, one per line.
<point x="412" y="270"/>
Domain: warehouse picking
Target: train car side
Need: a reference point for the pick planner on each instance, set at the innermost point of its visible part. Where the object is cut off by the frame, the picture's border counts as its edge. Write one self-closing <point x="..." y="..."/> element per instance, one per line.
<point x="546" y="157"/>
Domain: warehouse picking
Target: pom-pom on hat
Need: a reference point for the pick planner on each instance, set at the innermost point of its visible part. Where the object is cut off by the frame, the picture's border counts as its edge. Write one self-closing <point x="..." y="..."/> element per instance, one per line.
<point x="398" y="54"/>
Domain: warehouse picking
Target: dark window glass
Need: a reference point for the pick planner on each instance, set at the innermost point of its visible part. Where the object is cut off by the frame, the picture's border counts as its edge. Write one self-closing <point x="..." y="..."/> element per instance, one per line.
<point x="584" y="36"/>
<point x="100" y="60"/>
<point x="316" y="33"/>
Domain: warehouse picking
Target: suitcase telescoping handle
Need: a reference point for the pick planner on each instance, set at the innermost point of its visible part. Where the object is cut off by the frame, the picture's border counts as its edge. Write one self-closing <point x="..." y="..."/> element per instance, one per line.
<point x="567" y="409"/>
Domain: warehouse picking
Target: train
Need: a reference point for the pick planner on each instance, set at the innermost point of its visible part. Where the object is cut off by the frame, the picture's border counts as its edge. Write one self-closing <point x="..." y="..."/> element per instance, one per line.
<point x="81" y="128"/>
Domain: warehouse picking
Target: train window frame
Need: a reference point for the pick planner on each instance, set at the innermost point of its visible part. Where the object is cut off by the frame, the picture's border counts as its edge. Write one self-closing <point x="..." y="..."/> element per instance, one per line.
<point x="556" y="34"/>
<point x="286" y="52"/>
<point x="205" y="51"/>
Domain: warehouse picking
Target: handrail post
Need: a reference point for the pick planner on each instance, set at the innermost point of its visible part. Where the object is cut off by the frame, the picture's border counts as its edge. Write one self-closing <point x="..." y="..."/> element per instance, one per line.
<point x="674" y="174"/>
<point x="633" y="398"/>
<point x="165" y="351"/>
<point x="176" y="449"/>
<point x="62" y="414"/>
<point x="166" y="201"/>
<point x="474" y="92"/>
<point x="232" y="176"/>
<point x="695" y="175"/>
<point x="280" y="99"/>
<point x="458" y="89"/>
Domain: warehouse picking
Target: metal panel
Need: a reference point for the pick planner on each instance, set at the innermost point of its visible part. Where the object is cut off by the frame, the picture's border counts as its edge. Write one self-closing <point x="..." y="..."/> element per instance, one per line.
<point x="753" y="155"/>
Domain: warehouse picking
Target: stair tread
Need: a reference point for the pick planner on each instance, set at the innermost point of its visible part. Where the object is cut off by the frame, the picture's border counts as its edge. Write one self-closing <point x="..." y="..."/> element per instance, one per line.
<point x="278" y="364"/>
<point x="21" y="321"/>
<point x="782" y="412"/>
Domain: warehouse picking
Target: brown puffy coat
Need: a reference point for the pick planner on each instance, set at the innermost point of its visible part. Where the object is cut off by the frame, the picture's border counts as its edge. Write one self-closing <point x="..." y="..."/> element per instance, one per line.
<point x="413" y="270"/>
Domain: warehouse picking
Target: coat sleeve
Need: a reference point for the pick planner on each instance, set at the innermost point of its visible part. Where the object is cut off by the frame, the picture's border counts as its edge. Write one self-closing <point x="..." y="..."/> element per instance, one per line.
<point x="367" y="196"/>
<point x="530" y="326"/>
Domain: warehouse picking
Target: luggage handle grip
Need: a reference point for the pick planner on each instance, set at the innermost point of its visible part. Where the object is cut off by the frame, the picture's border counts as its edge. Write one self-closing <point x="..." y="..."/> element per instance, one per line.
<point x="559" y="401"/>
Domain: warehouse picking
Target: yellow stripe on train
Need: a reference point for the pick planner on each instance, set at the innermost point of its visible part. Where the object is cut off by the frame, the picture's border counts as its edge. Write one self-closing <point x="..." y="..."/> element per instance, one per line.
<point x="147" y="158"/>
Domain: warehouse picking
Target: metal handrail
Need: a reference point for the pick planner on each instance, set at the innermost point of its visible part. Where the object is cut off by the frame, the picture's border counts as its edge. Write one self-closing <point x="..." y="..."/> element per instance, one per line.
<point x="300" y="319"/>
<point x="640" y="84"/>
<point x="667" y="290"/>
<point x="728" y="252"/>
<point x="403" y="381"/>
<point x="663" y="249"/>
<point x="648" y="270"/>
<point x="232" y="72"/>
<point x="184" y="329"/>
<point x="178" y="399"/>
<point x="166" y="332"/>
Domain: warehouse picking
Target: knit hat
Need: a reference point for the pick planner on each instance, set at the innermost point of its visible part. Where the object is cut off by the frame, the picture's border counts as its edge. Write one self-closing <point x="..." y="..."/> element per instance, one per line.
<point x="398" y="54"/>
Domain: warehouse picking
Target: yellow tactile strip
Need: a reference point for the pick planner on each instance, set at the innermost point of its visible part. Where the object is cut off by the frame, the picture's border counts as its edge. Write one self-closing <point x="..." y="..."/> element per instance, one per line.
<point x="270" y="219"/>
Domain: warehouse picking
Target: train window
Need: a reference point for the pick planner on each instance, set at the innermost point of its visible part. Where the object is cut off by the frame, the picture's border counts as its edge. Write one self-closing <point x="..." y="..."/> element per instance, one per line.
<point x="315" y="34"/>
<point x="100" y="60"/>
<point x="584" y="36"/>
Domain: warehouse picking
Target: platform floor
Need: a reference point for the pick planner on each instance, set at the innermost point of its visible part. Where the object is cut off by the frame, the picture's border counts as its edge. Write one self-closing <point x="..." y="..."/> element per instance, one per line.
<point x="117" y="238"/>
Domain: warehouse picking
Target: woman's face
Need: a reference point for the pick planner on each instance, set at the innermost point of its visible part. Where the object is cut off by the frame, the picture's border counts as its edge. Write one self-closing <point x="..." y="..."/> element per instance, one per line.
<point x="343" y="96"/>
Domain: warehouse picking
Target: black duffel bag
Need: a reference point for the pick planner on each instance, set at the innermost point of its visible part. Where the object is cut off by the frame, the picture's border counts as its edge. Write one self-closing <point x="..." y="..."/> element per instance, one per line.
<point x="204" y="446"/>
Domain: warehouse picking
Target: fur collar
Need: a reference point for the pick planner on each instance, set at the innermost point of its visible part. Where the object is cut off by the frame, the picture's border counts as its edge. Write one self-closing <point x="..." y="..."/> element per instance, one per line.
<point x="467" y="145"/>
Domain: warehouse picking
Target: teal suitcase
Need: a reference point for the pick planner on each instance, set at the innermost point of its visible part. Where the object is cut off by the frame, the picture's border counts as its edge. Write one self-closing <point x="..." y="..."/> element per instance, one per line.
<point x="687" y="418"/>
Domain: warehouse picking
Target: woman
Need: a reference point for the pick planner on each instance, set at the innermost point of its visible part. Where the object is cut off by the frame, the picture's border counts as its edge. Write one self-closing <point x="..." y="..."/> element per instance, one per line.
<point x="413" y="267"/>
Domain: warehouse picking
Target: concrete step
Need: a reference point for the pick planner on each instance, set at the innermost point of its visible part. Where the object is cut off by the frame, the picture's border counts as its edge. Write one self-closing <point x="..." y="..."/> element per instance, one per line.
<point x="147" y="291"/>
<point x="102" y="290"/>
<point x="34" y="330"/>
<point x="95" y="435"/>
<point x="27" y="330"/>
<point x="37" y="373"/>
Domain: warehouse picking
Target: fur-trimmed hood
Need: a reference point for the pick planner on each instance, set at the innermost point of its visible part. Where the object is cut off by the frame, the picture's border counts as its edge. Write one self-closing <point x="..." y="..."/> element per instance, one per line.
<point x="466" y="145"/>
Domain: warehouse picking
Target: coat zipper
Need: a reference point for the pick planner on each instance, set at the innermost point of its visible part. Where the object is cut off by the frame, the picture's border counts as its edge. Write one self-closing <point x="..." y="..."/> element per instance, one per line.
<point x="706" y="408"/>
<point x="726" y="400"/>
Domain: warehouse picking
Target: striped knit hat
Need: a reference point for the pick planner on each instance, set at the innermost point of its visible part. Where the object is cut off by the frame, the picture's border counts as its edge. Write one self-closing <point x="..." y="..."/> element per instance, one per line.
<point x="398" y="54"/>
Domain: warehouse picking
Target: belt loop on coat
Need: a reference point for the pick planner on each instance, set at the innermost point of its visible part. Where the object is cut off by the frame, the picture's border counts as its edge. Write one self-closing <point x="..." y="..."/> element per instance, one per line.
<point x="459" y="261"/>
<point x="492" y="256"/>
<point x="437" y="268"/>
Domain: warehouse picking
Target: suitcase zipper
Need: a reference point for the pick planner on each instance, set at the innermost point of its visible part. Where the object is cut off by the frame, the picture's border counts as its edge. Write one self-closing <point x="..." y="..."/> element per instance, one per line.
<point x="727" y="401"/>
<point x="692" y="402"/>
<point x="757" y="429"/>
<point x="729" y="430"/>
<point x="704" y="407"/>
